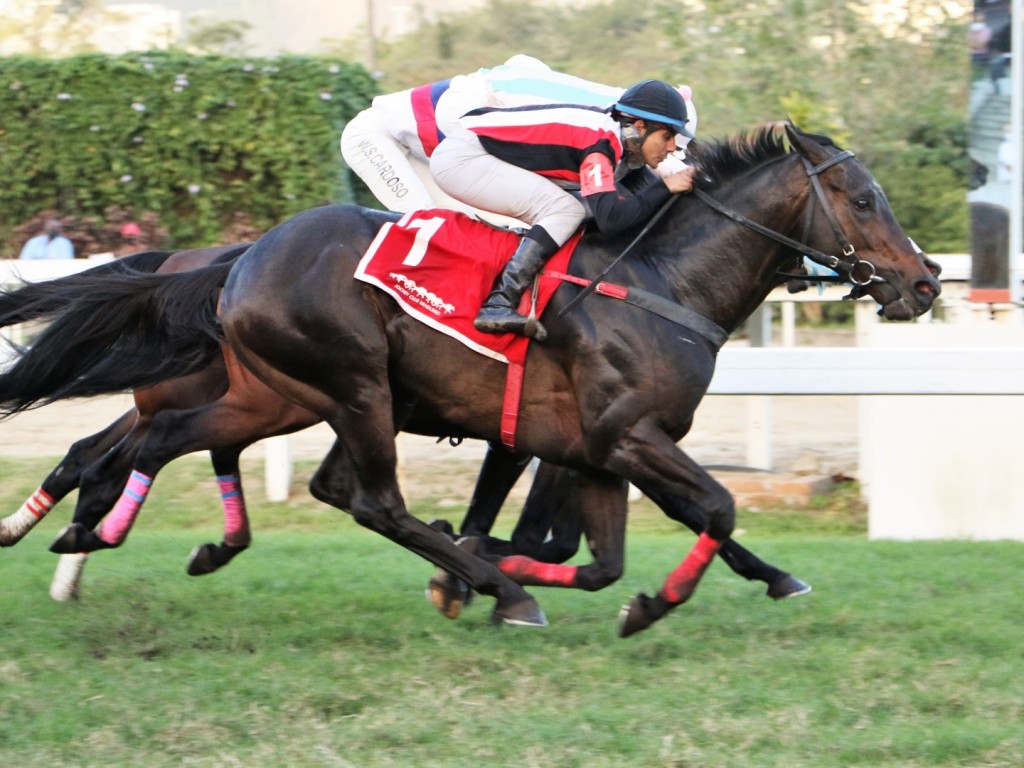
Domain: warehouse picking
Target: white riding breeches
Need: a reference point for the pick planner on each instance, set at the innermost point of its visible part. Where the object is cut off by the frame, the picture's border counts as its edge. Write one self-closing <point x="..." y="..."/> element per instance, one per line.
<point x="467" y="172"/>
<point x="399" y="180"/>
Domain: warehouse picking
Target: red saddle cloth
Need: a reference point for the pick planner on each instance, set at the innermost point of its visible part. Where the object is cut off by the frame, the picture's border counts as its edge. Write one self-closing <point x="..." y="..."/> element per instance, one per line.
<point x="440" y="266"/>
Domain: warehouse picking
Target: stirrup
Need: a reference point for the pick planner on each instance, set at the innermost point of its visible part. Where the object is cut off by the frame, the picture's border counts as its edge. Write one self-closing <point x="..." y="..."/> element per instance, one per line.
<point x="511" y="322"/>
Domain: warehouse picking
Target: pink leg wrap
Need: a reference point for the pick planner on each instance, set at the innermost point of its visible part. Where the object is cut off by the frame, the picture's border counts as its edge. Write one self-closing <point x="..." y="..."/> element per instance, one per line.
<point x="528" y="572"/>
<point x="119" y="520"/>
<point x="236" y="522"/>
<point x="683" y="580"/>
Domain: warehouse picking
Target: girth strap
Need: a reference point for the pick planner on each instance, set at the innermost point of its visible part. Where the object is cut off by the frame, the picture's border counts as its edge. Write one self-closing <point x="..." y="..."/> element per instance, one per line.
<point x="669" y="310"/>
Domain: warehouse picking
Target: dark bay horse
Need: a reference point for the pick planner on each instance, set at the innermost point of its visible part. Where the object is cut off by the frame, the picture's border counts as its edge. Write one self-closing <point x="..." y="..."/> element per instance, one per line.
<point x="609" y="394"/>
<point x="208" y="410"/>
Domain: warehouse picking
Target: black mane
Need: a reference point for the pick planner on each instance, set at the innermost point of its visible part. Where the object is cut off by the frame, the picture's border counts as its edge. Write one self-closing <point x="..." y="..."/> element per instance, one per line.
<point x="735" y="155"/>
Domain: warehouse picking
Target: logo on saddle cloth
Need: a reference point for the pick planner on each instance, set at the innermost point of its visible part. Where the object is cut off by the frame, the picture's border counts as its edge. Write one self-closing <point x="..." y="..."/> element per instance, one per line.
<point x="440" y="265"/>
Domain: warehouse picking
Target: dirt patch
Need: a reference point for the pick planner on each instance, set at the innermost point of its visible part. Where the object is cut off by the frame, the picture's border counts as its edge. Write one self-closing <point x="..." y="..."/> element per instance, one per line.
<point x="810" y="435"/>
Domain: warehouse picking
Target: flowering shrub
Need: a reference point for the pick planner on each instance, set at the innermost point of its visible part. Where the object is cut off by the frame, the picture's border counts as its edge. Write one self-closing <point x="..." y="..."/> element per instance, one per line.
<point x="189" y="142"/>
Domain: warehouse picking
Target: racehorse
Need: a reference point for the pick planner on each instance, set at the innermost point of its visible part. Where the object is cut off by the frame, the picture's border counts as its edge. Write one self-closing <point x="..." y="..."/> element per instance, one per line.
<point x="610" y="393"/>
<point x="225" y="419"/>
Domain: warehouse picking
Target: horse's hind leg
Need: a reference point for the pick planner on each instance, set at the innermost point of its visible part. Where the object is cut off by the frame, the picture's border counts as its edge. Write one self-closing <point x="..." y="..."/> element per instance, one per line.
<point x="63" y="479"/>
<point x="742" y="561"/>
<point x="498" y="474"/>
<point x="101" y="489"/>
<point x="207" y="558"/>
<point x="360" y="476"/>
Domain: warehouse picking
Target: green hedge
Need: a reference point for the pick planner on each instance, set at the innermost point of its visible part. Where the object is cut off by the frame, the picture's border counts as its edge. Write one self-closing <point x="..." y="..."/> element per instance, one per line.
<point x="193" y="140"/>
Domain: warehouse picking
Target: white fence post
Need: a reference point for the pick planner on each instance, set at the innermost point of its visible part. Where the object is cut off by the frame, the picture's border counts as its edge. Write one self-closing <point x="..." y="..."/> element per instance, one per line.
<point x="277" y="471"/>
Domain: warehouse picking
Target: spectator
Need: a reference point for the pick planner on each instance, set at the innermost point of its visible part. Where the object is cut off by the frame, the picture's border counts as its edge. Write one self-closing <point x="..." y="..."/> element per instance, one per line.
<point x="131" y="236"/>
<point x="49" y="245"/>
<point x="979" y="35"/>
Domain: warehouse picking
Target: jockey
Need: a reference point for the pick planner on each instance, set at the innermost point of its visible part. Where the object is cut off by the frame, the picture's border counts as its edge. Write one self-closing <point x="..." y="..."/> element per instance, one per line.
<point x="521" y="162"/>
<point x="388" y="144"/>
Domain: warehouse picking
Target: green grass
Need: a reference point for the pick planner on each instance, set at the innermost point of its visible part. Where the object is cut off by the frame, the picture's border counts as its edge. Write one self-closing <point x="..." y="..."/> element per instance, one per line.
<point x="316" y="648"/>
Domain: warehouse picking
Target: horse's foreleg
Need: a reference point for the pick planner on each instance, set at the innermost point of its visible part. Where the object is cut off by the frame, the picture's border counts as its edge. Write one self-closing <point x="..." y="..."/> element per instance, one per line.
<point x="498" y="474"/>
<point x="551" y="522"/>
<point x="651" y="460"/>
<point x="601" y="502"/>
<point x="742" y="561"/>
<point x="209" y="557"/>
<point x="63" y="479"/>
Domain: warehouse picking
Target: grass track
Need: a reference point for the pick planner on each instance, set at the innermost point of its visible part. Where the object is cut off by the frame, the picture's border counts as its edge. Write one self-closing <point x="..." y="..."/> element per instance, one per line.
<point x="316" y="648"/>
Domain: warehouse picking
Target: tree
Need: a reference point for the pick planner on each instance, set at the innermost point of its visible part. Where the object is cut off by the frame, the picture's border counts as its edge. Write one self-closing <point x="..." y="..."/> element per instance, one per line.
<point x="49" y="29"/>
<point x="865" y="73"/>
<point x="224" y="38"/>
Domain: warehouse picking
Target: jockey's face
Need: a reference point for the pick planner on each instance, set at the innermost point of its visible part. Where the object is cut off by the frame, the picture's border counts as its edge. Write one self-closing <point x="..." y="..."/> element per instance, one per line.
<point x="658" y="143"/>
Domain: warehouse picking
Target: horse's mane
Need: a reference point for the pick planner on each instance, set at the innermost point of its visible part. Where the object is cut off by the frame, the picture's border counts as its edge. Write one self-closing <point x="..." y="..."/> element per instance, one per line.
<point x="732" y="156"/>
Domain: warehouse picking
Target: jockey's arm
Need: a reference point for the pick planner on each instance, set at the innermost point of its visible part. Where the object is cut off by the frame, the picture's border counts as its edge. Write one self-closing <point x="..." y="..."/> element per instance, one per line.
<point x="617" y="206"/>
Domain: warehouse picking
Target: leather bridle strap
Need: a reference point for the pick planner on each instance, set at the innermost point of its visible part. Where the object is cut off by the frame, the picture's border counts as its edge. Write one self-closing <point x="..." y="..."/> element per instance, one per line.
<point x="813" y="171"/>
<point x="832" y="262"/>
<point x="658" y="305"/>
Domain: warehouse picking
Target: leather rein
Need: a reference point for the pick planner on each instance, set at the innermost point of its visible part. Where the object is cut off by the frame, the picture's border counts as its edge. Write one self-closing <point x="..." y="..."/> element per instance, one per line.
<point x="859" y="272"/>
<point x="848" y="262"/>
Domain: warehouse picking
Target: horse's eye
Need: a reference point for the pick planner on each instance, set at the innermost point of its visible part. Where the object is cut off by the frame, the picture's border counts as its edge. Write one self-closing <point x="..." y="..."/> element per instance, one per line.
<point x="862" y="204"/>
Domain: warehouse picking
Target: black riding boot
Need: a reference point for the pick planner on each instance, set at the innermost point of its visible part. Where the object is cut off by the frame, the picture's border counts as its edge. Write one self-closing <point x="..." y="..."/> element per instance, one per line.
<point x="498" y="314"/>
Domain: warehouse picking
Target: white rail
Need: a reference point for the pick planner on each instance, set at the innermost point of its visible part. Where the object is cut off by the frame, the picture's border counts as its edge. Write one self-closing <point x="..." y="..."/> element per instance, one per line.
<point x="943" y="414"/>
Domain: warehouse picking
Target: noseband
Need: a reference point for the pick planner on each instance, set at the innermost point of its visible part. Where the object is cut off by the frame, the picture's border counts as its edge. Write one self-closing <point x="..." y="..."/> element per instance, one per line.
<point x="859" y="272"/>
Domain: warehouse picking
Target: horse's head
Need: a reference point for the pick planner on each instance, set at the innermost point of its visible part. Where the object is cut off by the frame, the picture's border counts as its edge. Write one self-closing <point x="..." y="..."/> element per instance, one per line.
<point x="851" y="212"/>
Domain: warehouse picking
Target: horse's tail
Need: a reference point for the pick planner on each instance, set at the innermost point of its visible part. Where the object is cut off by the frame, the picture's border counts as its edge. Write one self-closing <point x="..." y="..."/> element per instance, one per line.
<point x="33" y="301"/>
<point x="118" y="331"/>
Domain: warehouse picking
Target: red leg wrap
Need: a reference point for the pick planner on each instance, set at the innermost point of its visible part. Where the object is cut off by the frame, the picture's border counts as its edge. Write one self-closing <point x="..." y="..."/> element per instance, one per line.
<point x="683" y="580"/>
<point x="528" y="572"/>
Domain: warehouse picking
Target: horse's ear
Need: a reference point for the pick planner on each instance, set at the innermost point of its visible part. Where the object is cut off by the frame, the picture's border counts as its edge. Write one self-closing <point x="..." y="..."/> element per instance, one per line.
<point x="805" y="144"/>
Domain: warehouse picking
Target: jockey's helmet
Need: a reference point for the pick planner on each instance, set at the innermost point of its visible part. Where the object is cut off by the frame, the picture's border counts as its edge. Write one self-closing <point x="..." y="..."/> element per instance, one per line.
<point x="657" y="101"/>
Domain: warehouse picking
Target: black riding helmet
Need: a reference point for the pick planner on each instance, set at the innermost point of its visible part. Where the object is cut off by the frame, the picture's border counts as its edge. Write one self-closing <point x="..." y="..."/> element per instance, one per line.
<point x="657" y="101"/>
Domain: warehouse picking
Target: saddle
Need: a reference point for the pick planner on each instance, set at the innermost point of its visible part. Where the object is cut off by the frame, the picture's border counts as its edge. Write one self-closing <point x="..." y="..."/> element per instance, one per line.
<point x="440" y="266"/>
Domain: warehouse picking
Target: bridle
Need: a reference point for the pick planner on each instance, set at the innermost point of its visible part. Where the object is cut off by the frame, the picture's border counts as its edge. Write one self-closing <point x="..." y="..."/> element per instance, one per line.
<point x="848" y="263"/>
<point x="858" y="271"/>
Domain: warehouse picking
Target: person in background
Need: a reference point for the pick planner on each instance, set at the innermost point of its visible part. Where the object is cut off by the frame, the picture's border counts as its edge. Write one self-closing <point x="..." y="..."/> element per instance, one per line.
<point x="979" y="35"/>
<point x="49" y="245"/>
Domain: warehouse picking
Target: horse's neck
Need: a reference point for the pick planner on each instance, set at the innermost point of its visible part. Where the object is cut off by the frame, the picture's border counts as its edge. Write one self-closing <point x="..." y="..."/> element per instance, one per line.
<point x="725" y="270"/>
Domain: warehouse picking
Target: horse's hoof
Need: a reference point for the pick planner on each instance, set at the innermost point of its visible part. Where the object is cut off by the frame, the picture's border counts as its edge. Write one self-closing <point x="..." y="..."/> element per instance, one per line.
<point x="787" y="586"/>
<point x="641" y="612"/>
<point x="449" y="594"/>
<point x="525" y="613"/>
<point x="207" y="558"/>
<point x="201" y="561"/>
<point x="75" y="538"/>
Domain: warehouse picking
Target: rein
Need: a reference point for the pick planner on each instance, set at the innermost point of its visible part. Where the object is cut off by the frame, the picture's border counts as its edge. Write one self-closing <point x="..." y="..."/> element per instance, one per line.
<point x="592" y="285"/>
<point x="848" y="263"/>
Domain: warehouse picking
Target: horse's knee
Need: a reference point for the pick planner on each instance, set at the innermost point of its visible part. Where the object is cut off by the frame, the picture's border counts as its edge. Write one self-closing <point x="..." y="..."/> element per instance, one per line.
<point x="331" y="489"/>
<point x="598" y="575"/>
<point x="720" y="517"/>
